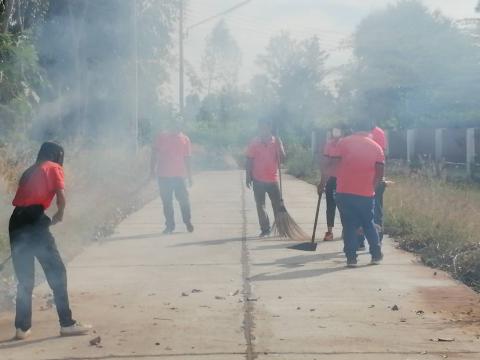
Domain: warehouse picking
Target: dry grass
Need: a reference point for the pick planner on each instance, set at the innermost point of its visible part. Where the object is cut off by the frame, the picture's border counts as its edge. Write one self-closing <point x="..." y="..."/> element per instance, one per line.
<point x="439" y="221"/>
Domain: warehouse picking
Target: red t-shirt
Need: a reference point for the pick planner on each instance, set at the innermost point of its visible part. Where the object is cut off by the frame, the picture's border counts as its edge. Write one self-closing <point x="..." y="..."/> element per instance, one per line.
<point x="329" y="151"/>
<point x="41" y="187"/>
<point x="171" y="150"/>
<point x="265" y="157"/>
<point x="378" y="135"/>
<point x="356" y="171"/>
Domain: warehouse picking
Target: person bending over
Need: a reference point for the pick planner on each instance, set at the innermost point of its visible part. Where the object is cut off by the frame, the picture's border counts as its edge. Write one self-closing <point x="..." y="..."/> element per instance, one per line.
<point x="360" y="167"/>
<point x="30" y="238"/>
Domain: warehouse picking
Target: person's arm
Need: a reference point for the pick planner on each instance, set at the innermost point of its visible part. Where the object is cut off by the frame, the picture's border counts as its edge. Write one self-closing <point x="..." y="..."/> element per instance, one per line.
<point x="61" y="203"/>
<point x="379" y="174"/>
<point x="281" y="151"/>
<point x="248" y="172"/>
<point x="188" y="165"/>
<point x="325" y="164"/>
<point x="153" y="163"/>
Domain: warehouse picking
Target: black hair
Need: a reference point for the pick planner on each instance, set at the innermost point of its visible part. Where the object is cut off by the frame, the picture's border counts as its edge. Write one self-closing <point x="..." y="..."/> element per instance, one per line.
<point x="49" y="151"/>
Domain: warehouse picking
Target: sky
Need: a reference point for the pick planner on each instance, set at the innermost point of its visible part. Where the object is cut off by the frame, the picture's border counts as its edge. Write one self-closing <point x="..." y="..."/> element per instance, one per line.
<point x="333" y="21"/>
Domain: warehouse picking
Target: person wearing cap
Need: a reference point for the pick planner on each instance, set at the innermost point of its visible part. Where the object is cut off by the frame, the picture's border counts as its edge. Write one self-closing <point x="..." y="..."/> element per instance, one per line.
<point x="264" y="154"/>
<point x="360" y="167"/>
<point x="171" y="164"/>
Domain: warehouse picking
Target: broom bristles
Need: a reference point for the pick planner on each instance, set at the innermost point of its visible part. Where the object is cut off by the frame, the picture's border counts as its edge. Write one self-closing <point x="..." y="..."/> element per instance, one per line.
<point x="286" y="227"/>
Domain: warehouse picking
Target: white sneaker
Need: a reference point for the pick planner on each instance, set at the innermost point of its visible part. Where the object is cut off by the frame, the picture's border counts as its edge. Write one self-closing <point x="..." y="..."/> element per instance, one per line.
<point x="75" y="329"/>
<point x="22" y="335"/>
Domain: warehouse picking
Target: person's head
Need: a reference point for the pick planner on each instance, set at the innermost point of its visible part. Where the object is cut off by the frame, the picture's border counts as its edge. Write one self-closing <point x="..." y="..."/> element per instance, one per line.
<point x="265" y="128"/>
<point x="174" y="126"/>
<point x="336" y="133"/>
<point x="50" y="151"/>
<point x="360" y="124"/>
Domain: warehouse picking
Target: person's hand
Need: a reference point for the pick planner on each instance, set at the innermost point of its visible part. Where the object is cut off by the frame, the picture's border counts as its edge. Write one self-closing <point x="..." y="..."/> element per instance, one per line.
<point x="248" y="182"/>
<point x="58" y="217"/>
<point x="320" y="188"/>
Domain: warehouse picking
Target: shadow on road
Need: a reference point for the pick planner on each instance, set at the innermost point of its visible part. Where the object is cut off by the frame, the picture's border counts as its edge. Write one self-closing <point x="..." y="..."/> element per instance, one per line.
<point x="302" y="274"/>
<point x="13" y="343"/>
<point x="301" y="260"/>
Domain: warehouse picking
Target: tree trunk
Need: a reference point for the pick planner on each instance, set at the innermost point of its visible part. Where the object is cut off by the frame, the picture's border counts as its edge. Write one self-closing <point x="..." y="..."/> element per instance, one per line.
<point x="8" y="14"/>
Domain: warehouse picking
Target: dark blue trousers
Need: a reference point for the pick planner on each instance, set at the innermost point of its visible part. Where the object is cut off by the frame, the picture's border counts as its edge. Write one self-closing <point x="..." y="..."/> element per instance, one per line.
<point x="358" y="211"/>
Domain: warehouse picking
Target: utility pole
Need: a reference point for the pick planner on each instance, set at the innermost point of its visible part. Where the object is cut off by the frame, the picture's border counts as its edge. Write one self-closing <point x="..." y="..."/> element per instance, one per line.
<point x="181" y="37"/>
<point x="135" y="107"/>
<point x="181" y="75"/>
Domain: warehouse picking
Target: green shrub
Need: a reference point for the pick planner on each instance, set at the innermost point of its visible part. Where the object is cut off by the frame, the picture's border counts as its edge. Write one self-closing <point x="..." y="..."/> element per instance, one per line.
<point x="300" y="163"/>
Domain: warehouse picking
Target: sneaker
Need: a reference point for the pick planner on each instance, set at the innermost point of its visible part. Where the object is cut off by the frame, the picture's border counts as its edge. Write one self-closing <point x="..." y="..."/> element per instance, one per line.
<point x="265" y="233"/>
<point x="75" y="329"/>
<point x="376" y="261"/>
<point x="328" y="236"/>
<point x="167" y="231"/>
<point x="22" y="335"/>
<point x="190" y="227"/>
<point x="351" y="263"/>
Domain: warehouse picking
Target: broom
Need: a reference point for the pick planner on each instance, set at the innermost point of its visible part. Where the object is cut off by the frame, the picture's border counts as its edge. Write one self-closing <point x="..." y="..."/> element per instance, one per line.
<point x="284" y="225"/>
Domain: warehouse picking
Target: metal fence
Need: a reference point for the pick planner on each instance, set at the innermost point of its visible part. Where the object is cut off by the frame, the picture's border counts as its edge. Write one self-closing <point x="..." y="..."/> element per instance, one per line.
<point x="451" y="147"/>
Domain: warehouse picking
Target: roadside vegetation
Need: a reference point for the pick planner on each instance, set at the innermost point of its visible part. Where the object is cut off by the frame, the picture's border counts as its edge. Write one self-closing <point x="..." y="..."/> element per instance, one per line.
<point x="437" y="220"/>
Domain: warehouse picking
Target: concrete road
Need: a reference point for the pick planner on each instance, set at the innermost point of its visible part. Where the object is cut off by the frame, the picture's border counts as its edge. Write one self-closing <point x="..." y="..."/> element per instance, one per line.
<point x="222" y="293"/>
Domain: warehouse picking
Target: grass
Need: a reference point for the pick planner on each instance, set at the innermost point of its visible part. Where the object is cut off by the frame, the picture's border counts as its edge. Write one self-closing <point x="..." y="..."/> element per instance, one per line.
<point x="439" y="221"/>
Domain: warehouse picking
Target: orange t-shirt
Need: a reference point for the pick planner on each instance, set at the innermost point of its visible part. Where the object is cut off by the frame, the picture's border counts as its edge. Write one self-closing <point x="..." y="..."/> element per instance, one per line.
<point x="378" y="135"/>
<point x="171" y="150"/>
<point x="265" y="156"/>
<point x="356" y="171"/>
<point x="329" y="151"/>
<point x="41" y="187"/>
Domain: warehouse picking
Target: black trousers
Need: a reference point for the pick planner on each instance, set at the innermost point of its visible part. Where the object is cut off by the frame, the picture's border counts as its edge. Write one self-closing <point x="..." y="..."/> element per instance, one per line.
<point x="260" y="190"/>
<point x="330" y="189"/>
<point x="168" y="187"/>
<point x="30" y="238"/>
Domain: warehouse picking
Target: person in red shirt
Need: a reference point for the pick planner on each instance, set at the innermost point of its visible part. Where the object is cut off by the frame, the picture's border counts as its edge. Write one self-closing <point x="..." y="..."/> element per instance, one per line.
<point x="170" y="163"/>
<point x="328" y="182"/>
<point x="264" y="155"/>
<point x="378" y="135"/>
<point x="31" y="238"/>
<point x="360" y="167"/>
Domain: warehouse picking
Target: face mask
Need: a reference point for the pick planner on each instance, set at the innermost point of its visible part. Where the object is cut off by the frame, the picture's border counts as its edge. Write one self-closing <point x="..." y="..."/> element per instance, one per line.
<point x="336" y="133"/>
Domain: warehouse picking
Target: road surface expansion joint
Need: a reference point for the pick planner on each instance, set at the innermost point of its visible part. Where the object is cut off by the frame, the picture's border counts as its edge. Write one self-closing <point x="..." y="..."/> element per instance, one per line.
<point x="248" y="306"/>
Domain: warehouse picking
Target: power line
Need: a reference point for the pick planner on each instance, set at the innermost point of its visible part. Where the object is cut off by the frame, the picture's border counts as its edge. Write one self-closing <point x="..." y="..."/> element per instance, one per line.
<point x="225" y="12"/>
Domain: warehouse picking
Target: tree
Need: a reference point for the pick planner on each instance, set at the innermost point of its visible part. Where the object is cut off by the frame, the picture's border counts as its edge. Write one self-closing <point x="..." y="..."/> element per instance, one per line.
<point x="294" y="71"/>
<point x="412" y="68"/>
<point x="221" y="60"/>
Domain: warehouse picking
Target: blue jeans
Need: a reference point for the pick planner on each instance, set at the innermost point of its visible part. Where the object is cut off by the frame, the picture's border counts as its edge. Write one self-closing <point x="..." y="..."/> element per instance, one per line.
<point x="358" y="211"/>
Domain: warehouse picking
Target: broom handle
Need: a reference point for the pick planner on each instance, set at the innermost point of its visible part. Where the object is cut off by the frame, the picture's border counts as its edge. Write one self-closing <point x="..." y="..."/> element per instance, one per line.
<point x="277" y="142"/>
<point x="316" y="217"/>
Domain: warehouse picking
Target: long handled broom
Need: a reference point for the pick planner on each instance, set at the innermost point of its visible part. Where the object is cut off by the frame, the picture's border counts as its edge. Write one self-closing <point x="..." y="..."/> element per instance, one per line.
<point x="311" y="245"/>
<point x="285" y="226"/>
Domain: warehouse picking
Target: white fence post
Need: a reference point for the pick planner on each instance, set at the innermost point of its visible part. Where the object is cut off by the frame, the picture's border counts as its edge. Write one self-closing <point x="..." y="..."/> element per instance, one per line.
<point x="410" y="144"/>
<point x="470" y="159"/>
<point x="439" y="144"/>
<point x="314" y="143"/>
